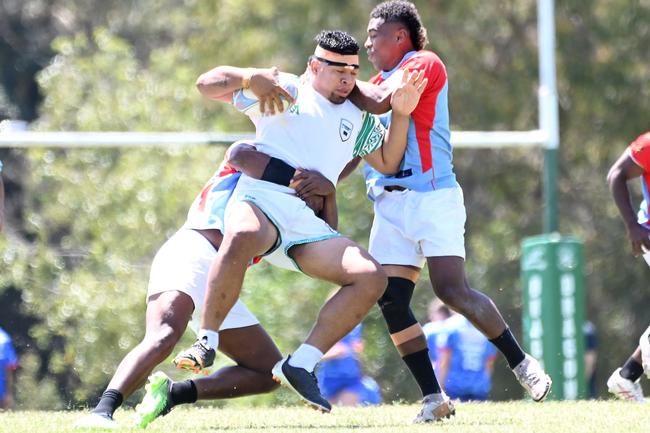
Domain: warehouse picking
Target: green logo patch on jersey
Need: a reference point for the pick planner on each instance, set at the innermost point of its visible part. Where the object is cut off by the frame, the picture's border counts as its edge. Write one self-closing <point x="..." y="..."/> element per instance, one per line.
<point x="345" y="129"/>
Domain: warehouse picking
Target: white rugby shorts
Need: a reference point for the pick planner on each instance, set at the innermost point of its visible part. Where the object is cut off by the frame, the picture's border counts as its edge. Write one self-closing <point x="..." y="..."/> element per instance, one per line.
<point x="296" y="222"/>
<point x="182" y="264"/>
<point x="410" y="226"/>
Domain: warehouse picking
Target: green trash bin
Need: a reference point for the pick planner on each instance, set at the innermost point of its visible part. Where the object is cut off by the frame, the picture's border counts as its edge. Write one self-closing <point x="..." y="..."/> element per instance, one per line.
<point x="554" y="310"/>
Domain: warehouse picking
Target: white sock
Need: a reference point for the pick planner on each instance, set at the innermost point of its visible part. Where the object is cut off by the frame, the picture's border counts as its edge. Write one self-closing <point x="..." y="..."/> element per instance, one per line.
<point x="306" y="356"/>
<point x="209" y="338"/>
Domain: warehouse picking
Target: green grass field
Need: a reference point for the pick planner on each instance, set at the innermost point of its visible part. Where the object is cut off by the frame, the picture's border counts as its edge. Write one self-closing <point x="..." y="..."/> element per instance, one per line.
<point x="510" y="417"/>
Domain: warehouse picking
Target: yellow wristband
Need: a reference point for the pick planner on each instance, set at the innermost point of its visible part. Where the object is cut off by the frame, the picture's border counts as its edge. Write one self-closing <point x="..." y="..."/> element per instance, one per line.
<point x="246" y="79"/>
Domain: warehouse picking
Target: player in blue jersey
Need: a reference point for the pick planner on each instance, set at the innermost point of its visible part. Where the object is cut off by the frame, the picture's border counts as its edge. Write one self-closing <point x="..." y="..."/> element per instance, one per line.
<point x="8" y="364"/>
<point x="340" y="375"/>
<point x="420" y="213"/>
<point x="465" y="360"/>
<point x="438" y="314"/>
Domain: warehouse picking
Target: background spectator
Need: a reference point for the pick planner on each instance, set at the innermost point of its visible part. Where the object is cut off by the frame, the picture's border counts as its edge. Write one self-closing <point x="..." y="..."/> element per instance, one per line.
<point x="8" y="364"/>
<point x="340" y="376"/>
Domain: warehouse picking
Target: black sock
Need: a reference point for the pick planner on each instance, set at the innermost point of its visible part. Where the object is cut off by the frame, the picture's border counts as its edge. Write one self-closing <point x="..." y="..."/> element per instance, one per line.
<point x="183" y="392"/>
<point x="422" y="370"/>
<point x="507" y="344"/>
<point x="111" y="399"/>
<point x="631" y="370"/>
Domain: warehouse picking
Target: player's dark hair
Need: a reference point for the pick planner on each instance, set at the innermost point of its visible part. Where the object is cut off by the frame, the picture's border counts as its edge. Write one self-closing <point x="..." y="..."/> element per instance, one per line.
<point x="405" y="13"/>
<point x="337" y="41"/>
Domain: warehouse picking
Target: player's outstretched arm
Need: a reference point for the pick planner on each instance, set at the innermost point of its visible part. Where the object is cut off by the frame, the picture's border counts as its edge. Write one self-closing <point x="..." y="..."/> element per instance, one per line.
<point x="370" y="97"/>
<point x="310" y="186"/>
<point x="387" y="158"/>
<point x="623" y="170"/>
<point x="220" y="83"/>
<point x="246" y="158"/>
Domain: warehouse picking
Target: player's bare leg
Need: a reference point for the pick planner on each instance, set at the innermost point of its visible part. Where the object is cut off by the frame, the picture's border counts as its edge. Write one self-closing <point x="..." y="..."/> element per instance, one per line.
<point x="409" y="340"/>
<point x="252" y="350"/>
<point x="450" y="285"/>
<point x="250" y="233"/>
<point x="340" y="261"/>
<point x="166" y="319"/>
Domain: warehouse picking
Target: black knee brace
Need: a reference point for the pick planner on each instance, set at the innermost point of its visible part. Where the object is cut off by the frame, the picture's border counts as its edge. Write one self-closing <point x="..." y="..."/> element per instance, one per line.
<point x="395" y="304"/>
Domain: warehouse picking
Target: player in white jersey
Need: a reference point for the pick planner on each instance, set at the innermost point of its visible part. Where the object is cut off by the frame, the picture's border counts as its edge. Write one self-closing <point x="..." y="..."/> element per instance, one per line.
<point x="322" y="131"/>
<point x="174" y="298"/>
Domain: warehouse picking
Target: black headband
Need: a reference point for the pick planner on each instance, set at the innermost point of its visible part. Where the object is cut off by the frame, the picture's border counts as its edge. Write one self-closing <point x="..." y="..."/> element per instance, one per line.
<point x="333" y="63"/>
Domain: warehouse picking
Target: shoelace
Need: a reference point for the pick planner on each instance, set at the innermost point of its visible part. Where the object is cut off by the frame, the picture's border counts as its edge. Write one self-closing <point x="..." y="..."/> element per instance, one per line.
<point x="313" y="378"/>
<point x="532" y="378"/>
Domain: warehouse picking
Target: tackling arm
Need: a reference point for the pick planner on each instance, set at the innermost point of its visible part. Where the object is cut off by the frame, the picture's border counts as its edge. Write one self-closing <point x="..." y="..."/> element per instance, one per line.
<point x="624" y="169"/>
<point x="310" y="186"/>
<point x="220" y="83"/>
<point x="405" y="98"/>
<point x="372" y="98"/>
<point x="330" y="212"/>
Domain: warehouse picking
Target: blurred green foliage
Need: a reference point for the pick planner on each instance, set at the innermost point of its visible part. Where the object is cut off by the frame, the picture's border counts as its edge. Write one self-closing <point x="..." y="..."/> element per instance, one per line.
<point x="85" y="224"/>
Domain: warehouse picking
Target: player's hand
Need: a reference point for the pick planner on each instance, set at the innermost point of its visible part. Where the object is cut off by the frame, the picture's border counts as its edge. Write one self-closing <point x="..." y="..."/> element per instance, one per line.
<point x="309" y="183"/>
<point x="407" y="95"/>
<point x="639" y="238"/>
<point x="265" y="85"/>
<point x="315" y="203"/>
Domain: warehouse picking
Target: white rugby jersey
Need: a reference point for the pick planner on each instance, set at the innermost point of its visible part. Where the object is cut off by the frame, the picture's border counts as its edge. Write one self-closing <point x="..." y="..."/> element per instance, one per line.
<point x="314" y="134"/>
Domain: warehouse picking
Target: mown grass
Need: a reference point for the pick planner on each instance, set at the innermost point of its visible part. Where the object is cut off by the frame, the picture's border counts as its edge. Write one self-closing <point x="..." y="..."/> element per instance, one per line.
<point x="507" y="417"/>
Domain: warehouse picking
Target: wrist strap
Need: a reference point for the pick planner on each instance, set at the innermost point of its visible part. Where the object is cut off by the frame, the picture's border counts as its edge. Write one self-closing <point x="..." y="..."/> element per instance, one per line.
<point x="278" y="172"/>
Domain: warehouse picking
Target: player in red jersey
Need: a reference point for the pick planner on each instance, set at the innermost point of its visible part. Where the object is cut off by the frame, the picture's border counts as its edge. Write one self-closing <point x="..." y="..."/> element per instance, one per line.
<point x="633" y="163"/>
<point x="420" y="214"/>
<point x="174" y="298"/>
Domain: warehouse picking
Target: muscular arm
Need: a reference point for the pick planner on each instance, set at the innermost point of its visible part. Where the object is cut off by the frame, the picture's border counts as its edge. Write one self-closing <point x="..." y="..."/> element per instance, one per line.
<point x="376" y="98"/>
<point x="219" y="83"/>
<point x="245" y="158"/>
<point x="349" y="168"/>
<point x="330" y="213"/>
<point x="623" y="170"/>
<point x="404" y="99"/>
<point x="387" y="158"/>
<point x="372" y="98"/>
